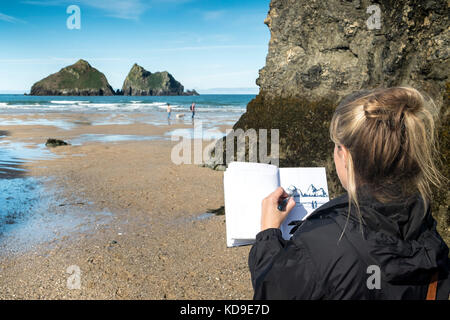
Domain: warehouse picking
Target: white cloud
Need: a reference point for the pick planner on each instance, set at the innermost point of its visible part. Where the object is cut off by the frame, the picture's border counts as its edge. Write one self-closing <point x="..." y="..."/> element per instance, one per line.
<point x="213" y="15"/>
<point x="203" y="48"/>
<point x="4" y="17"/>
<point x="130" y="9"/>
<point x="175" y="2"/>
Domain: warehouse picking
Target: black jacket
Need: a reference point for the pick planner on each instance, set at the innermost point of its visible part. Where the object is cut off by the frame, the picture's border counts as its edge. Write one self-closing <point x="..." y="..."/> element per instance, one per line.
<point x="314" y="264"/>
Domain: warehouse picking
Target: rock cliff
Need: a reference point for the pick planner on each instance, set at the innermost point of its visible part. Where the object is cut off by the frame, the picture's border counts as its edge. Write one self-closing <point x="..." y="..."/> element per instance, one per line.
<point x="79" y="79"/>
<point x="320" y="51"/>
<point x="141" y="82"/>
<point x="327" y="48"/>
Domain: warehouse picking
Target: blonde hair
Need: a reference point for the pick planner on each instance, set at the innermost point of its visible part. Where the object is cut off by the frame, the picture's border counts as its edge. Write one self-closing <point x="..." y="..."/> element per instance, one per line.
<point x="390" y="136"/>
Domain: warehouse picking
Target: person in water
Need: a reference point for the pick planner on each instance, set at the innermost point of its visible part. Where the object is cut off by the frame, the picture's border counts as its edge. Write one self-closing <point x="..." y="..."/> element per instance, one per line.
<point x="169" y="110"/>
<point x="379" y="240"/>
<point x="193" y="109"/>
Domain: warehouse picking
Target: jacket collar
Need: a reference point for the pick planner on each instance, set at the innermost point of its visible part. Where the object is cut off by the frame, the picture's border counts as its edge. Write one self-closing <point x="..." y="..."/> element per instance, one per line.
<point x="339" y="202"/>
<point x="402" y="239"/>
<point x="402" y="218"/>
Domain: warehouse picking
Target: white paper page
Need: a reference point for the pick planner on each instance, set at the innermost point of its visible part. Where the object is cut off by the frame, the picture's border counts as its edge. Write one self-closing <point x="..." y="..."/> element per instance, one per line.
<point x="245" y="186"/>
<point x="313" y="192"/>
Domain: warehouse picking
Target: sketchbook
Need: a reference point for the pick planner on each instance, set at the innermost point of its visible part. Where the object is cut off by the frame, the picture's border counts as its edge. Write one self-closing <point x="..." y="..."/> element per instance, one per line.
<point x="247" y="184"/>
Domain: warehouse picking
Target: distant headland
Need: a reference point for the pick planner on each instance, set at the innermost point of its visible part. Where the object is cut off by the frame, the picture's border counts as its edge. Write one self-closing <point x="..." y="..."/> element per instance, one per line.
<point x="81" y="79"/>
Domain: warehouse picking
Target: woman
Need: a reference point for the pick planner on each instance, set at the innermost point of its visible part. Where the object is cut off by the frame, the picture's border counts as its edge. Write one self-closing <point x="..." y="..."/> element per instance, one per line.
<point x="379" y="241"/>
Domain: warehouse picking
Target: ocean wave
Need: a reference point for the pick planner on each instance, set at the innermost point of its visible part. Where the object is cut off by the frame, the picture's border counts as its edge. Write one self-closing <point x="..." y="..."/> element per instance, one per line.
<point x="154" y="104"/>
<point x="18" y="106"/>
<point x="99" y="105"/>
<point x="67" y="102"/>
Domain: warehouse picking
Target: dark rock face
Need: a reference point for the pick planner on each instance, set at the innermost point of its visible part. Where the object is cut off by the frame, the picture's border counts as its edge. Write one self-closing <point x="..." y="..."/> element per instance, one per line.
<point x="441" y="205"/>
<point x="321" y="51"/>
<point x="141" y="82"/>
<point x="325" y="48"/>
<point x="79" y="79"/>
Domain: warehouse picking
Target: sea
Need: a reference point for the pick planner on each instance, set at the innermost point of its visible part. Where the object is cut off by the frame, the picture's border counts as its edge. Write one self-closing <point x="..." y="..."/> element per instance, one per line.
<point x="212" y="103"/>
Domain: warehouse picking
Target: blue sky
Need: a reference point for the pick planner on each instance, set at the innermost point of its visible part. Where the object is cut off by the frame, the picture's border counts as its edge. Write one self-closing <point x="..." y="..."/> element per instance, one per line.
<point x="205" y="44"/>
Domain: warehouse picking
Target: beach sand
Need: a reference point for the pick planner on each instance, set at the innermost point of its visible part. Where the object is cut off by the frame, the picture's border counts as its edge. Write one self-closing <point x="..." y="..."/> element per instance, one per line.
<point x="138" y="228"/>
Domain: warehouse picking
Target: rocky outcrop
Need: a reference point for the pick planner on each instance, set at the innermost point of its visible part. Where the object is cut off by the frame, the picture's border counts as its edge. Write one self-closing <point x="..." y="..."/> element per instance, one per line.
<point x="320" y="51"/>
<point x="141" y="82"/>
<point x="79" y="79"/>
<point x="52" y="143"/>
<point x="191" y="93"/>
<point x="441" y="208"/>
<point x="327" y="48"/>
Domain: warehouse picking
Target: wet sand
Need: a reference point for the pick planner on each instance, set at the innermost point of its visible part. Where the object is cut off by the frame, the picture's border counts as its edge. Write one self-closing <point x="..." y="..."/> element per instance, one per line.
<point x="130" y="219"/>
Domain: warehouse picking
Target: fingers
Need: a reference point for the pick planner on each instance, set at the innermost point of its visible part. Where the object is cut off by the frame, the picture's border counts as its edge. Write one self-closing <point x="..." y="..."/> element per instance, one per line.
<point x="271" y="216"/>
<point x="290" y="205"/>
<point x="278" y="193"/>
<point x="276" y="196"/>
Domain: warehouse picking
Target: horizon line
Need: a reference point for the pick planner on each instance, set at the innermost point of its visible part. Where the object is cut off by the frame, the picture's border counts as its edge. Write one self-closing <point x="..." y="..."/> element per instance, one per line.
<point x="251" y="91"/>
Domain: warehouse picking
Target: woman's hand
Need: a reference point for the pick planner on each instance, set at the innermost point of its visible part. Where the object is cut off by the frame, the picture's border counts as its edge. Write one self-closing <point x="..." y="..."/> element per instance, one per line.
<point x="271" y="217"/>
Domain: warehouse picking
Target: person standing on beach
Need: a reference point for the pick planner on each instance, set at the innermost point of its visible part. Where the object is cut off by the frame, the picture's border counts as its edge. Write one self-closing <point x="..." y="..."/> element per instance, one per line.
<point x="193" y="109"/>
<point x="169" y="110"/>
